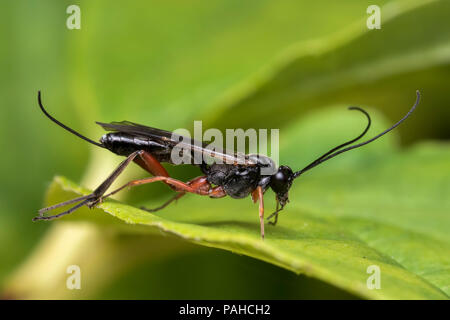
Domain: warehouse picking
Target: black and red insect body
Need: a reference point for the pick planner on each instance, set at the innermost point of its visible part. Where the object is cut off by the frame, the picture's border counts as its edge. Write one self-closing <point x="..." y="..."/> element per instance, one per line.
<point x="234" y="175"/>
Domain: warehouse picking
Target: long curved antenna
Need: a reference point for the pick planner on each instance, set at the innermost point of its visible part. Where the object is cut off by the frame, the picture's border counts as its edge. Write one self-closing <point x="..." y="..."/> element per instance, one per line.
<point x="369" y="121"/>
<point x="64" y="126"/>
<point x="330" y="155"/>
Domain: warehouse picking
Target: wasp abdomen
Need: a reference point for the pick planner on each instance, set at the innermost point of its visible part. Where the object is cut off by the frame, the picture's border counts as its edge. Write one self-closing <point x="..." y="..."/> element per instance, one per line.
<point x="124" y="144"/>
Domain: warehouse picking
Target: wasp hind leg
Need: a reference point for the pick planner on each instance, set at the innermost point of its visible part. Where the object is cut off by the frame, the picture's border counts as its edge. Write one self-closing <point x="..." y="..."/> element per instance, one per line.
<point x="165" y="204"/>
<point x="92" y="199"/>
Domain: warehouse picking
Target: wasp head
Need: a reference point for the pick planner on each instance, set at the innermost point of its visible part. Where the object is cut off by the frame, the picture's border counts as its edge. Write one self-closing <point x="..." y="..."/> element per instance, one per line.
<point x="281" y="182"/>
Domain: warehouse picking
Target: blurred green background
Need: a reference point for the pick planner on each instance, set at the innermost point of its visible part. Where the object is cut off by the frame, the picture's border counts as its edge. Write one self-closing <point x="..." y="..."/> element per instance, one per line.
<point x="167" y="63"/>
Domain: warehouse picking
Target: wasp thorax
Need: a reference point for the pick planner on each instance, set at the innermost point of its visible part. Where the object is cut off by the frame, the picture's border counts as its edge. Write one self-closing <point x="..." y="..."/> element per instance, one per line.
<point x="266" y="164"/>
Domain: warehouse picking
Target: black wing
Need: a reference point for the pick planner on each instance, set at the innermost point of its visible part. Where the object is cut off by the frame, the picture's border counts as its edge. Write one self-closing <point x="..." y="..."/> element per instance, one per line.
<point x="172" y="139"/>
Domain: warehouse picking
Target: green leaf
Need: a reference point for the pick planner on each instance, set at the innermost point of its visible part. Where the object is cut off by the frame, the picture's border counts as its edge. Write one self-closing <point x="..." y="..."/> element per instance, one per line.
<point x="357" y="66"/>
<point x="178" y="58"/>
<point x="375" y="206"/>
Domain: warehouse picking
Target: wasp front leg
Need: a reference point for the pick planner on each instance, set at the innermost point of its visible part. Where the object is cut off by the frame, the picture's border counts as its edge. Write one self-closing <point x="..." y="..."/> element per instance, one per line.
<point x="275" y="220"/>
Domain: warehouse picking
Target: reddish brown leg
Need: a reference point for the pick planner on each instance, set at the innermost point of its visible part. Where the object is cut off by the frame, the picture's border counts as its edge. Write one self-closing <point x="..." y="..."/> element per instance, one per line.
<point x="258" y="195"/>
<point x="197" y="183"/>
<point x="146" y="160"/>
<point x="199" y="186"/>
<point x="217" y="192"/>
<point x="150" y="164"/>
<point x="165" y="204"/>
<point x="94" y="197"/>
